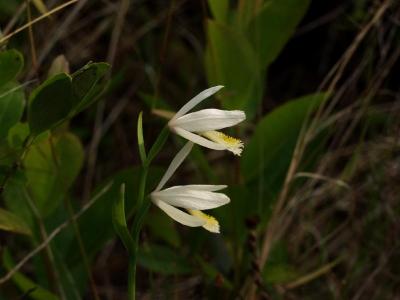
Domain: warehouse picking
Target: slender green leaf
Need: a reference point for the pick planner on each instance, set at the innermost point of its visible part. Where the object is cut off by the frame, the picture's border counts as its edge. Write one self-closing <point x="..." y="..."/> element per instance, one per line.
<point x="158" y="144"/>
<point x="11" y="63"/>
<point x="119" y="221"/>
<point x="142" y="149"/>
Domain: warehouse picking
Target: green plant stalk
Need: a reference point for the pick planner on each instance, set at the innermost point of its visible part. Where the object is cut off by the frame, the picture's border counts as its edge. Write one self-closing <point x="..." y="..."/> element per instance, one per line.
<point x="137" y="225"/>
<point x="142" y="207"/>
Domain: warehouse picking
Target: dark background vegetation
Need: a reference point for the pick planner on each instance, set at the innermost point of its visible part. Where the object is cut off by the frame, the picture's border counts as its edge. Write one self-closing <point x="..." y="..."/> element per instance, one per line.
<point x="336" y="235"/>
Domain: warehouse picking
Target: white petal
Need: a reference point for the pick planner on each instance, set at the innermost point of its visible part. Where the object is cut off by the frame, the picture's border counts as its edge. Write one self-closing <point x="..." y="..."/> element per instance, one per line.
<point x="199" y="139"/>
<point x="198" y="187"/>
<point x="178" y="215"/>
<point x="192" y="199"/>
<point x="175" y="163"/>
<point x="209" y="119"/>
<point x="197" y="99"/>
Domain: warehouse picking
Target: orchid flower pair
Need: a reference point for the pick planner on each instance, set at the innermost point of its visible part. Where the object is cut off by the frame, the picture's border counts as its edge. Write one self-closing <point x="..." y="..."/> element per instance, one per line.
<point x="199" y="127"/>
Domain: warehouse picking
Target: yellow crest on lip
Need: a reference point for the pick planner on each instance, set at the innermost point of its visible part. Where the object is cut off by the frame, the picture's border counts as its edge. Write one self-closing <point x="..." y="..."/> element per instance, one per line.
<point x="211" y="225"/>
<point x="232" y="144"/>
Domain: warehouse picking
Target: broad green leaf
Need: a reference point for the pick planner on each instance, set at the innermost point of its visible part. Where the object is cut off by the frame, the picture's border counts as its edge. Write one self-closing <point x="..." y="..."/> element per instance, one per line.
<point x="246" y="10"/>
<point x="11" y="222"/>
<point x="163" y="260"/>
<point x="88" y="82"/>
<point x="51" y="167"/>
<point x="62" y="96"/>
<point x="50" y="103"/>
<point x="14" y="196"/>
<point x="267" y="155"/>
<point x="119" y="221"/>
<point x="25" y="284"/>
<point x="219" y="9"/>
<point x="231" y="61"/>
<point x="11" y="107"/>
<point x="11" y="63"/>
<point x="17" y="135"/>
<point x="273" y="26"/>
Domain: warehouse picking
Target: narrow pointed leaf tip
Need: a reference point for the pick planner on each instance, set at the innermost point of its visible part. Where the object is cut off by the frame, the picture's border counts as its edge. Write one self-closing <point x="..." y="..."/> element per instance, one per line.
<point x="142" y="149"/>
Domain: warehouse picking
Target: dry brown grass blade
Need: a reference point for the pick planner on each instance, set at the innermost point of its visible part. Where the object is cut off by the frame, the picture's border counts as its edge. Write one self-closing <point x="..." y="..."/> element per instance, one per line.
<point x="27" y="25"/>
<point x="313" y="275"/>
<point x="307" y="131"/>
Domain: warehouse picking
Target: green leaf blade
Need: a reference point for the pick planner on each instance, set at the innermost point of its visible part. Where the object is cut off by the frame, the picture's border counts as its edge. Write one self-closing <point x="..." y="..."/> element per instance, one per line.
<point x="12" y="103"/>
<point x="119" y="222"/>
<point x="13" y="223"/>
<point x="269" y="151"/>
<point x="50" y="103"/>
<point x="11" y="63"/>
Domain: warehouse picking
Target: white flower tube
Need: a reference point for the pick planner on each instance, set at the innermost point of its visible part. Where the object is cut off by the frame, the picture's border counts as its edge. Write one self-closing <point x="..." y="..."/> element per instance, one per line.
<point x="200" y="126"/>
<point x="191" y="198"/>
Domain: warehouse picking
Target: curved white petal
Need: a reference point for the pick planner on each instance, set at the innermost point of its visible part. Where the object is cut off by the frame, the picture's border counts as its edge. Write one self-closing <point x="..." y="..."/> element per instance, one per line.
<point x="192" y="199"/>
<point x="178" y="215"/>
<point x="198" y="187"/>
<point x="209" y="119"/>
<point x="198" y="139"/>
<point x="196" y="100"/>
<point x="175" y="163"/>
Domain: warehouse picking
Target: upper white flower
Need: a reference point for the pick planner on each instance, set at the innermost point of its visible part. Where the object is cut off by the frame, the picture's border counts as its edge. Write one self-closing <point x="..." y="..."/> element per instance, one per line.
<point x="200" y="126"/>
<point x="191" y="198"/>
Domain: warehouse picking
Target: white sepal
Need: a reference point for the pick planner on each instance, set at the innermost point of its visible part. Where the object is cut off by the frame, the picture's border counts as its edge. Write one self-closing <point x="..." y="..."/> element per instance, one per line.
<point x="208" y="119"/>
<point x="197" y="99"/>
<point x="176" y="162"/>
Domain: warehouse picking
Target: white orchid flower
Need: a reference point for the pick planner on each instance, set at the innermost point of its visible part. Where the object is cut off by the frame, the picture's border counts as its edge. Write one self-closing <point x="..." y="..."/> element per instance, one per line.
<point x="192" y="199"/>
<point x="201" y="126"/>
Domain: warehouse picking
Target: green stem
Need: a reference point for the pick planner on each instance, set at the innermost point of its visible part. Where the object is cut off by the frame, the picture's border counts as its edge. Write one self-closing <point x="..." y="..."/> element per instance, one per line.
<point x="142" y="207"/>
<point x="137" y="225"/>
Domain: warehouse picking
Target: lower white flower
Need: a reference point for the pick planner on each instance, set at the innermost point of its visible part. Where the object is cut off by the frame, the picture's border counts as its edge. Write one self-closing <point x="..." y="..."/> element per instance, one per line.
<point x="185" y="203"/>
<point x="200" y="126"/>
